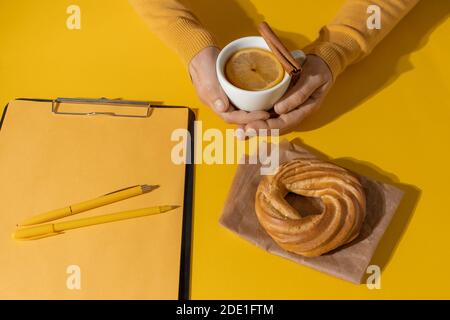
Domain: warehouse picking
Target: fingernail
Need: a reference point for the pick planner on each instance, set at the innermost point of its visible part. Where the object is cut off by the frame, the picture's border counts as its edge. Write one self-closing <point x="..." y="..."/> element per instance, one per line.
<point x="219" y="105"/>
<point x="250" y="133"/>
<point x="240" y="134"/>
<point x="278" y="109"/>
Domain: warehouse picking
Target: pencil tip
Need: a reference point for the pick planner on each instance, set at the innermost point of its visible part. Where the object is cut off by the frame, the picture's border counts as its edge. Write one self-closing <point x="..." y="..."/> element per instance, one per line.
<point x="147" y="187"/>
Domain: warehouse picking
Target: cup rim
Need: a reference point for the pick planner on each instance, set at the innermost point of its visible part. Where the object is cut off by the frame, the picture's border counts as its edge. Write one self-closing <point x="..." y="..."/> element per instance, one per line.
<point x="220" y="72"/>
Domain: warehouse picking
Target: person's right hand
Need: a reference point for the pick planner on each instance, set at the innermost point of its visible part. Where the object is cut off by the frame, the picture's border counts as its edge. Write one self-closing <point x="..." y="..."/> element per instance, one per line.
<point x="202" y="69"/>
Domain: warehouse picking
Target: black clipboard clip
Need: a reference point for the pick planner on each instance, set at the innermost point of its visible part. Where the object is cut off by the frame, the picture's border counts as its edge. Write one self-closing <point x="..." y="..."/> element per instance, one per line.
<point x="102" y="101"/>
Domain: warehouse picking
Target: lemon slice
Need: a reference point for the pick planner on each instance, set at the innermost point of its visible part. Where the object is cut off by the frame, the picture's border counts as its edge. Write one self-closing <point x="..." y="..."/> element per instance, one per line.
<point x="254" y="69"/>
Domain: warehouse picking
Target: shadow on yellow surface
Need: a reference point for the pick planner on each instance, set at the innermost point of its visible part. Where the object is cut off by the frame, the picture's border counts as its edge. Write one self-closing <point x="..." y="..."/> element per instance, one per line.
<point x="388" y="61"/>
<point x="402" y="217"/>
<point x="236" y="23"/>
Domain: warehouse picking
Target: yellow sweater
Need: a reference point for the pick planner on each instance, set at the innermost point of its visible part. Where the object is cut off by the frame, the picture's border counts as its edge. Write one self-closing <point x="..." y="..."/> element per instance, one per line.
<point x="344" y="41"/>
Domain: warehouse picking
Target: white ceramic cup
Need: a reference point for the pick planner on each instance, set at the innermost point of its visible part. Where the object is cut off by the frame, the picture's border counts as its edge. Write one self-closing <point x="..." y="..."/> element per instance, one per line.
<point x="245" y="99"/>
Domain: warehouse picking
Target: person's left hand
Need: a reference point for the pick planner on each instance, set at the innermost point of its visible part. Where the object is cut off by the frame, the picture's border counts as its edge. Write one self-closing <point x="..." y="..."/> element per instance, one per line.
<point x="301" y="100"/>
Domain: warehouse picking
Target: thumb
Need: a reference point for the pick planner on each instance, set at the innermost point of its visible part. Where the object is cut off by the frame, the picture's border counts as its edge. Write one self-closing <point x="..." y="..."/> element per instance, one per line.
<point x="204" y="77"/>
<point x="216" y="97"/>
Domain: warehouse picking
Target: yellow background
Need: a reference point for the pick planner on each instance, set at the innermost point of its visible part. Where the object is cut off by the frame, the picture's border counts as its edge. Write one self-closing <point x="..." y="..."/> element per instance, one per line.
<point x="386" y="117"/>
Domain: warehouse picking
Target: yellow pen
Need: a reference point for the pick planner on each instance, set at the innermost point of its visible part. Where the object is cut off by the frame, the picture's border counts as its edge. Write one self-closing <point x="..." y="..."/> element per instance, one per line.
<point x="89" y="204"/>
<point x="50" y="229"/>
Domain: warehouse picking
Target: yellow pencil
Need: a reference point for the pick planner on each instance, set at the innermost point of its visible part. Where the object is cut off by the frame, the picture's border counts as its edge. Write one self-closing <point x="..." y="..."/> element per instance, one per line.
<point x="49" y="229"/>
<point x="89" y="204"/>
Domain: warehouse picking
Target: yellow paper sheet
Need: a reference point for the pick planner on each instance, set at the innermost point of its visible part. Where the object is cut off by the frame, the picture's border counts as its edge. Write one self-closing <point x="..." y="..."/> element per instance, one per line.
<point x="49" y="161"/>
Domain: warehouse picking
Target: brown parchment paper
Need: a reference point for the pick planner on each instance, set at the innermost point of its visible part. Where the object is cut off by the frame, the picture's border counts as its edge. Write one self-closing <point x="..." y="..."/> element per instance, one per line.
<point x="348" y="262"/>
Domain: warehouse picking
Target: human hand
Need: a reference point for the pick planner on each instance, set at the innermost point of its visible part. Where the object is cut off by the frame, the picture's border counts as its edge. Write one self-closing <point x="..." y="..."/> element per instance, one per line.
<point x="202" y="69"/>
<point x="300" y="101"/>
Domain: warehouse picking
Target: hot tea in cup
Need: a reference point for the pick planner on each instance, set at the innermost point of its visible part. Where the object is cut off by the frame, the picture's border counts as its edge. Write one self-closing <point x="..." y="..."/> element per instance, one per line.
<point x="251" y="75"/>
<point x="254" y="69"/>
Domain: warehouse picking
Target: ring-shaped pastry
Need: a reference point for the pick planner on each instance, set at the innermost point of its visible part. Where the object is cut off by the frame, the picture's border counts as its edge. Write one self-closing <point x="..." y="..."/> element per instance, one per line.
<point x="343" y="206"/>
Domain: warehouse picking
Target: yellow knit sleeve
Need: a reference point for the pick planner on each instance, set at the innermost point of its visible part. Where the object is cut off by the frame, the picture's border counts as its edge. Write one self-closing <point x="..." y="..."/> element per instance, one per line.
<point x="176" y="25"/>
<point x="348" y="39"/>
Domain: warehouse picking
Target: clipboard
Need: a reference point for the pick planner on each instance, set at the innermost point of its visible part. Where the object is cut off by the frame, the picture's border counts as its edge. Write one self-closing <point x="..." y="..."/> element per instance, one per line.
<point x="50" y="121"/>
